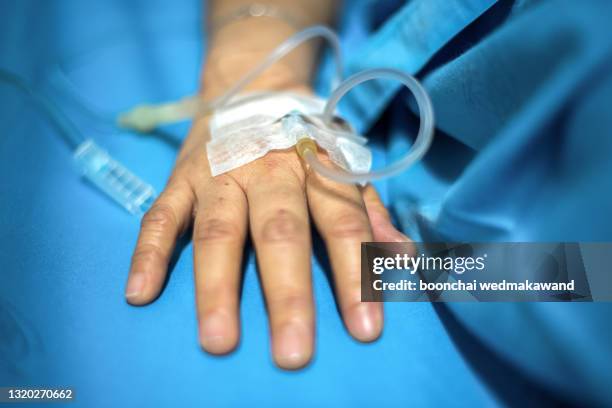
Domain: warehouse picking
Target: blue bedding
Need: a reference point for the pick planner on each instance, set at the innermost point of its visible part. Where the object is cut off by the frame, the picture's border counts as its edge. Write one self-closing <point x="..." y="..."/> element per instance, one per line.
<point x="522" y="91"/>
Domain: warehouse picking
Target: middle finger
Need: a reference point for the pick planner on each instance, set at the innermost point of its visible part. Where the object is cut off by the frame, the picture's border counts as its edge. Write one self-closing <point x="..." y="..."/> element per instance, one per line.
<point x="281" y="234"/>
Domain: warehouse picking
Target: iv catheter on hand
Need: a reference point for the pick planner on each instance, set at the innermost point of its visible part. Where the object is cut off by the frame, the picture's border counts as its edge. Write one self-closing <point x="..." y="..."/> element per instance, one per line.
<point x="417" y="151"/>
<point x="93" y="162"/>
<point x="147" y="117"/>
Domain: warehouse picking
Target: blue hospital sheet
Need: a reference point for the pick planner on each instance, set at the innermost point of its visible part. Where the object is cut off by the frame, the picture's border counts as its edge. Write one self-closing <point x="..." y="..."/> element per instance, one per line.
<point x="492" y="175"/>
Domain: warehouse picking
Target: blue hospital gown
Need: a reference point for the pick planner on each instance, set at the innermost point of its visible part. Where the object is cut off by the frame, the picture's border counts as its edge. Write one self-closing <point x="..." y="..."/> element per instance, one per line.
<point x="522" y="92"/>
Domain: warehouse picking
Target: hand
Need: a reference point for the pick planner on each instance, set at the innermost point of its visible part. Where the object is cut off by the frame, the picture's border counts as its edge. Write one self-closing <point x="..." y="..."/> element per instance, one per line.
<point x="272" y="197"/>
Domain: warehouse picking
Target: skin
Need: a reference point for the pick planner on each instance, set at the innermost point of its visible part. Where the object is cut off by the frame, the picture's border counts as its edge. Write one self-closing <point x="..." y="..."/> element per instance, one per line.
<point x="274" y="198"/>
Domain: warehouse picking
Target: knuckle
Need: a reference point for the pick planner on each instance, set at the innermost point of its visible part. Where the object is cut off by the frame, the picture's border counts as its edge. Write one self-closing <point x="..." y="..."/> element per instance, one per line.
<point x="218" y="296"/>
<point x="277" y="159"/>
<point x="349" y="225"/>
<point x="222" y="181"/>
<point x="214" y="229"/>
<point x="148" y="254"/>
<point x="224" y="308"/>
<point x="180" y="191"/>
<point x="290" y="301"/>
<point x="159" y="218"/>
<point x="284" y="226"/>
<point x="380" y="210"/>
<point x="379" y="216"/>
<point x="271" y="162"/>
<point x="281" y="165"/>
<point x="352" y="286"/>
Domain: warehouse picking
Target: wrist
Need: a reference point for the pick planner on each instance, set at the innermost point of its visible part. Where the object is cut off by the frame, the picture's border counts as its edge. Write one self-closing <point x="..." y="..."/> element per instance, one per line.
<point x="225" y="69"/>
<point x="235" y="50"/>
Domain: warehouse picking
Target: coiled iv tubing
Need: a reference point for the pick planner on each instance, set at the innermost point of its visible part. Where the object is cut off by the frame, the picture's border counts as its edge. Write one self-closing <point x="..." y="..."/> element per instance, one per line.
<point x="418" y="149"/>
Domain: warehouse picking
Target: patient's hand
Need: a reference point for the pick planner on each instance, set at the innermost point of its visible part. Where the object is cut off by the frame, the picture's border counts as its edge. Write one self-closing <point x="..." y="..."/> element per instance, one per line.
<point x="275" y="199"/>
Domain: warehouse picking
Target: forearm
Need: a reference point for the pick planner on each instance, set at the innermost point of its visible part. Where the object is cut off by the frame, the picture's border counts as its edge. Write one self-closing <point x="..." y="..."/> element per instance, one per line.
<point x="237" y="45"/>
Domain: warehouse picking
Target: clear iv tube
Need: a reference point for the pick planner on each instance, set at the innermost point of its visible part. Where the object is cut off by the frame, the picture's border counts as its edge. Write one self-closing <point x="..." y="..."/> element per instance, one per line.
<point x="146" y="117"/>
<point x="93" y="162"/>
<point x="418" y="149"/>
<point x="66" y="128"/>
<point x="279" y="52"/>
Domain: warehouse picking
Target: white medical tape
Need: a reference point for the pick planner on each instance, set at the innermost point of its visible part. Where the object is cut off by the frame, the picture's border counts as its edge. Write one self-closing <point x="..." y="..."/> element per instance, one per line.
<point x="248" y="128"/>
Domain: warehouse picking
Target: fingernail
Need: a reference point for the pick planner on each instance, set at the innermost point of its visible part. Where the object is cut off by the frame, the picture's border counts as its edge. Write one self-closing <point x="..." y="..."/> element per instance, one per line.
<point x="214" y="333"/>
<point x="365" y="321"/>
<point x="135" y="285"/>
<point x="292" y="346"/>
